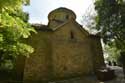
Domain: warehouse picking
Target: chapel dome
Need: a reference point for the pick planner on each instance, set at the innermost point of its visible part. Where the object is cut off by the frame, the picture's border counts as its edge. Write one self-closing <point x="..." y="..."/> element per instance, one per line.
<point x="61" y="14"/>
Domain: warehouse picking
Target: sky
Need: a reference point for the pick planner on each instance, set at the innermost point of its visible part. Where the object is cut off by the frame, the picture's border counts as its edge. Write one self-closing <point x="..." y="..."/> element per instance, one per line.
<point x="39" y="9"/>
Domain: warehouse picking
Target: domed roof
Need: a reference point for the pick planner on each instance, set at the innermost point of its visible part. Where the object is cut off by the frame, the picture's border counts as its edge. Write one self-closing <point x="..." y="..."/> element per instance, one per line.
<point x="63" y="11"/>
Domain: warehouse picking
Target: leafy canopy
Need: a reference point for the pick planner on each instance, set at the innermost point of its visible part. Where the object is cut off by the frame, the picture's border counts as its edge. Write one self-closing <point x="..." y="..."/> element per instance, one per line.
<point x="13" y="29"/>
<point x="110" y="20"/>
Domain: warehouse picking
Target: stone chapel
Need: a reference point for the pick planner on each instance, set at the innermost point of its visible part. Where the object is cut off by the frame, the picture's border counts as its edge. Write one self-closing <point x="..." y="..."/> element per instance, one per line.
<point x="63" y="49"/>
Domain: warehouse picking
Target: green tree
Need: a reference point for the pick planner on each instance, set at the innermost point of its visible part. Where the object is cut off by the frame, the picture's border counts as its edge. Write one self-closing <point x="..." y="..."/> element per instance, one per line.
<point x="110" y="20"/>
<point x="13" y="29"/>
<point x="112" y="52"/>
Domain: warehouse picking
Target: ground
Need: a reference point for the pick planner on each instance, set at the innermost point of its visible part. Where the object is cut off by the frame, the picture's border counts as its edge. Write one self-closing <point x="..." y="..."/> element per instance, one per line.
<point x="93" y="79"/>
<point x="86" y="79"/>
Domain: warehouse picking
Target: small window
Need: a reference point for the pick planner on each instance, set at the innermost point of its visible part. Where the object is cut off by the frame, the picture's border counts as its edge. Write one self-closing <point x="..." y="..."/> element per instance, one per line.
<point x="67" y="16"/>
<point x="71" y="35"/>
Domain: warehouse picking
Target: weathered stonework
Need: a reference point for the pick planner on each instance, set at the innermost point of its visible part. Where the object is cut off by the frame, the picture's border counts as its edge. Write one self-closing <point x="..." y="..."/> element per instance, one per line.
<point x="62" y="49"/>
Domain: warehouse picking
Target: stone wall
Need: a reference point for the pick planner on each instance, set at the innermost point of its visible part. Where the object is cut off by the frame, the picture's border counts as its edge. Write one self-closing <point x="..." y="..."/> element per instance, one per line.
<point x="70" y="55"/>
<point x="38" y="65"/>
<point x="70" y="58"/>
<point x="58" y="55"/>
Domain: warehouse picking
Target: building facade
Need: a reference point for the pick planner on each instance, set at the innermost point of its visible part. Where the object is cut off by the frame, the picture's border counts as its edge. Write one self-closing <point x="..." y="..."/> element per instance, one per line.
<point x="63" y="48"/>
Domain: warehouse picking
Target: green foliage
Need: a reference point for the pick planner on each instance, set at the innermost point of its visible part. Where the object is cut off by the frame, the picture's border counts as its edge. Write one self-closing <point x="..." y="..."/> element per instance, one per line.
<point x="13" y="29"/>
<point x="112" y="52"/>
<point x="17" y="4"/>
<point x="110" y="20"/>
<point x="121" y="59"/>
